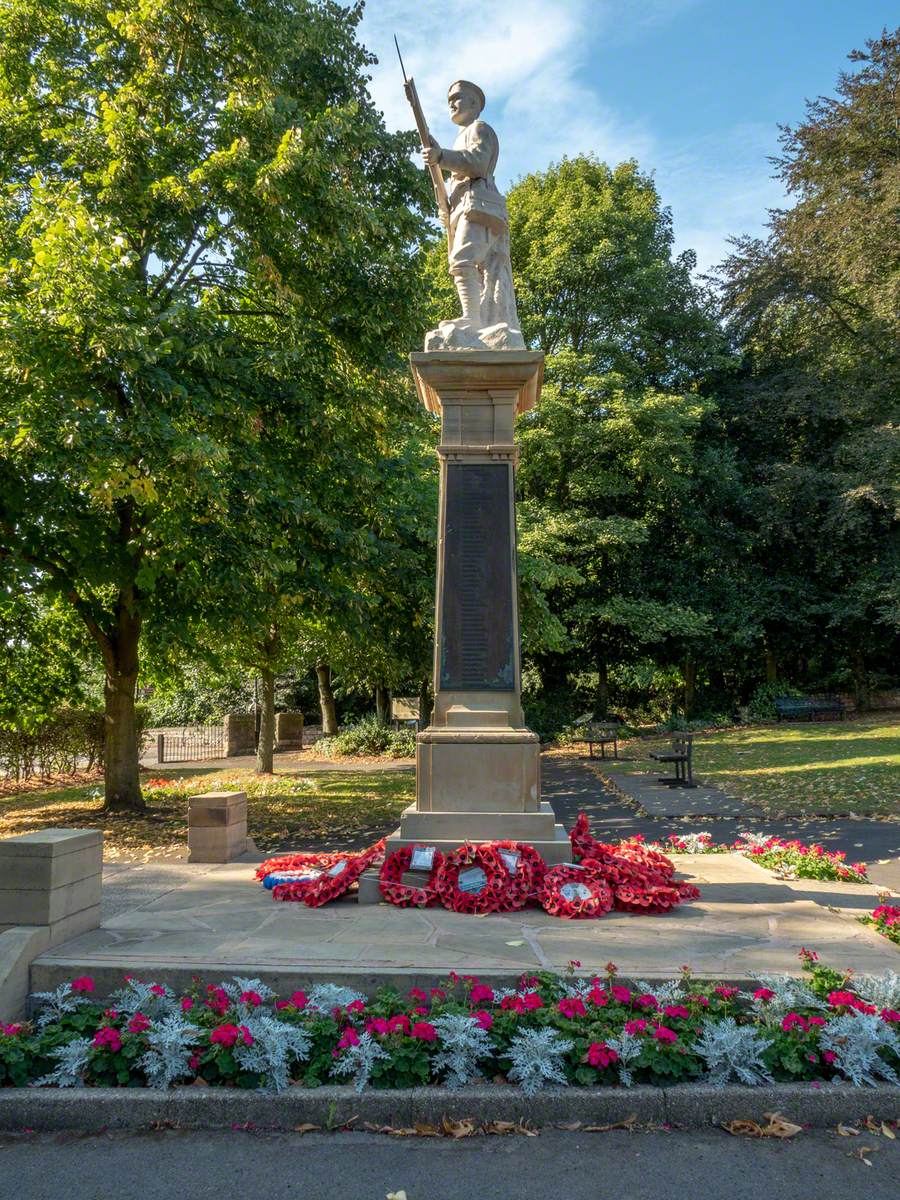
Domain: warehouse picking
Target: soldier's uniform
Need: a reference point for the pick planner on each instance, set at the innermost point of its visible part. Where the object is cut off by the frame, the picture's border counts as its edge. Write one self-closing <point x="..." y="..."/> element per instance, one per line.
<point x="478" y="215"/>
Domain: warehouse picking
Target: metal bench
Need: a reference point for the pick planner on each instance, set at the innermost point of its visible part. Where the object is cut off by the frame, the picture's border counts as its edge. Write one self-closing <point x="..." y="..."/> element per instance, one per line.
<point x="602" y="736"/>
<point x="808" y="708"/>
<point x="681" y="756"/>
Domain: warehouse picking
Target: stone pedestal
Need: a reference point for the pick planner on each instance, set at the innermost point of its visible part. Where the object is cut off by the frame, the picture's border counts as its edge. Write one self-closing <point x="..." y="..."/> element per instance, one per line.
<point x="240" y="734"/>
<point x="477" y="765"/>
<point x="217" y="827"/>
<point x="289" y="731"/>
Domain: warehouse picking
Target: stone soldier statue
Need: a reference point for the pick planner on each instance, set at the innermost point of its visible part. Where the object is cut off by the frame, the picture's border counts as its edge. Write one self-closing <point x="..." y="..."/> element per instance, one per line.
<point x="478" y="233"/>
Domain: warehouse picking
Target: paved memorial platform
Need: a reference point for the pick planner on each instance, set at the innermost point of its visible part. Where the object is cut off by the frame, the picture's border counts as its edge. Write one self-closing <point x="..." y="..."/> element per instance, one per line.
<point x="216" y="921"/>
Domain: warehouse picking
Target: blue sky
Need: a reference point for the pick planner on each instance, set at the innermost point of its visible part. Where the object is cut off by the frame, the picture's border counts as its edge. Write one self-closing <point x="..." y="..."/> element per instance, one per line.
<point x="693" y="89"/>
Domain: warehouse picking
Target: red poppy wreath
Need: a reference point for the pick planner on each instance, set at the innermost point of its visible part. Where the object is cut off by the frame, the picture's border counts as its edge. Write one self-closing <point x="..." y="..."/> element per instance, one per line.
<point x="333" y="881"/>
<point x="526" y="870"/>
<point x="569" y="892"/>
<point x="406" y="895"/>
<point x="473" y="879"/>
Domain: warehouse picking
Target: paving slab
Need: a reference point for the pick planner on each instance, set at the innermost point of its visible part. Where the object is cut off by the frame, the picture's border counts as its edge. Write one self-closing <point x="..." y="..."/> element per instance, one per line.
<point x="221" y="922"/>
<point x="659" y="800"/>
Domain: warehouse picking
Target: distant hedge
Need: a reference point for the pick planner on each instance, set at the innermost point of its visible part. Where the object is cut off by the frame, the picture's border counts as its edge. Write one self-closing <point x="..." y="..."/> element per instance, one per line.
<point x="70" y="740"/>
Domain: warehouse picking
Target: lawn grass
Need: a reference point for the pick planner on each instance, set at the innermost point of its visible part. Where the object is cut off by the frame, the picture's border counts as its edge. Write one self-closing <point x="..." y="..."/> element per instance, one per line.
<point x="835" y="768"/>
<point x="289" y="810"/>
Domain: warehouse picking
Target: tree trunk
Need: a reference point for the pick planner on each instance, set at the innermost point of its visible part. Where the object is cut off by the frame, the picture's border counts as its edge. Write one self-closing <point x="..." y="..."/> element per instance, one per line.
<point x="690" y="686"/>
<point x="425" y="703"/>
<point x="602" y="687"/>
<point x="771" y="666"/>
<point x="326" y="700"/>
<point x="265" y="748"/>
<point x="122" y="784"/>
<point x="382" y="704"/>
<point x="860" y="682"/>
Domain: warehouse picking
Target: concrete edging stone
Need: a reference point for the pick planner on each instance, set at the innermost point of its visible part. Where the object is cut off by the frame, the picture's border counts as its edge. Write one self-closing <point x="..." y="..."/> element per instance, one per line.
<point x="691" y="1106"/>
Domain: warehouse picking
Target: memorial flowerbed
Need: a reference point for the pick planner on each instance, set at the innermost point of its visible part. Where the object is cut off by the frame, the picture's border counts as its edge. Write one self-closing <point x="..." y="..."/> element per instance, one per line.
<point x="788" y="859"/>
<point x="886" y="919"/>
<point x="546" y="1030"/>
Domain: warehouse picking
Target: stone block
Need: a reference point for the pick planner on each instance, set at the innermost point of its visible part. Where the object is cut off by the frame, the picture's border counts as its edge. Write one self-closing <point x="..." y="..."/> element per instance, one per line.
<point x="217" y="827"/>
<point x="47" y="906"/>
<point x="49" y="843"/>
<point x="240" y="734"/>
<point x="369" y="891"/>
<point x="19" y="947"/>
<point x="431" y="827"/>
<point x="467" y="771"/>
<point x="39" y="873"/>
<point x="289" y="731"/>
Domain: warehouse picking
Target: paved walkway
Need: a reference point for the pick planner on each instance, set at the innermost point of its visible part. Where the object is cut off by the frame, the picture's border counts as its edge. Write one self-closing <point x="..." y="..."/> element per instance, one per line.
<point x="571" y="785"/>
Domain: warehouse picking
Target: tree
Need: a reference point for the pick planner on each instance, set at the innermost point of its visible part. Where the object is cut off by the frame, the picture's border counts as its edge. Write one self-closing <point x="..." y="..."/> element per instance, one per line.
<point x="205" y="230"/>
<point x="616" y="478"/>
<point x="814" y="310"/>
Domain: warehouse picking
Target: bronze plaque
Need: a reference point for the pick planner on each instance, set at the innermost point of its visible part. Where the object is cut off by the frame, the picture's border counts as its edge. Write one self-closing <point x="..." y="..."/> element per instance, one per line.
<point x="477" y="615"/>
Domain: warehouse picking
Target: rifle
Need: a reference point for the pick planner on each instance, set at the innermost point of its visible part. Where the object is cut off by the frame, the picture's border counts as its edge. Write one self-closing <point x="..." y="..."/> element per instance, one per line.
<point x="437" y="176"/>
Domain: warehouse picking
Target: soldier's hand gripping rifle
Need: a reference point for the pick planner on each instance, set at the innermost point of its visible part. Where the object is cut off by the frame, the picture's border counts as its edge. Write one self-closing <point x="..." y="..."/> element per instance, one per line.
<point x="437" y="176"/>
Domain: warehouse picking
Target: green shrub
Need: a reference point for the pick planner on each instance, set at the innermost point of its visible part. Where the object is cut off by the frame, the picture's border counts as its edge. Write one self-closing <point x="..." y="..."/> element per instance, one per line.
<point x="369" y="736"/>
<point x="762" y="702"/>
<point x="69" y="739"/>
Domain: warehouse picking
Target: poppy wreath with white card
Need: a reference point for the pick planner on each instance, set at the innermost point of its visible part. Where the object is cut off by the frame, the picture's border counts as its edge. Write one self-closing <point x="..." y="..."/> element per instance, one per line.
<point x="526" y="870"/>
<point x="333" y="881"/>
<point x="395" y="866"/>
<point x="473" y="879"/>
<point x="571" y="892"/>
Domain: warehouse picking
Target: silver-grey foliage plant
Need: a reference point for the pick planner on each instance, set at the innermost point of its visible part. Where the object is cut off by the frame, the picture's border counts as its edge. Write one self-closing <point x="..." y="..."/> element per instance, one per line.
<point x="881" y="990"/>
<point x="58" y="1003"/>
<point x="276" y="1047"/>
<point x="170" y="1044"/>
<point x="359" y="1060"/>
<point x="628" y="1048"/>
<point x="733" y="1051"/>
<point x="137" y="996"/>
<point x="462" y="1043"/>
<point x="536" y="1056"/>
<point x="855" y="1039"/>
<point x="327" y="996"/>
<point x="71" y="1063"/>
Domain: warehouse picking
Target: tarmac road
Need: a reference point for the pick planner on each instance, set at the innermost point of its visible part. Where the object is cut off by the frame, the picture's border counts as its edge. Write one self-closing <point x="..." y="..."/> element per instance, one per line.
<point x="557" y="1165"/>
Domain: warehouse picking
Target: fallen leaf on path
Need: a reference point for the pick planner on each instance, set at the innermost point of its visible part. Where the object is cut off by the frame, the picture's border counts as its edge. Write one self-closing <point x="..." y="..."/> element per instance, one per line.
<point x="626" y="1123"/>
<point x="777" y="1127"/>
<point x="459" y="1129"/>
<point x="306" y="1128"/>
<point x="847" y="1131"/>
<point x="860" y="1152"/>
<point x="396" y="1195"/>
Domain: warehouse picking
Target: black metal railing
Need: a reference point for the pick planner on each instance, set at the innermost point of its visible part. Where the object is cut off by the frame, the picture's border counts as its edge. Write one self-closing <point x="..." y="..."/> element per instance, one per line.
<point x="191" y="744"/>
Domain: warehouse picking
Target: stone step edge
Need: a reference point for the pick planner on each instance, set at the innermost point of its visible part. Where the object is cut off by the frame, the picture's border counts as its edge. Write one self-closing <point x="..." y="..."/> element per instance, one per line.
<point x="686" y="1106"/>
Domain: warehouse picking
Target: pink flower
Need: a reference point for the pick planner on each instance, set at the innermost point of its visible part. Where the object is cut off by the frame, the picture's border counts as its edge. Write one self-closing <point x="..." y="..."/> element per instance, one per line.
<point x="217" y="1000"/>
<point x="620" y="994"/>
<point x="812" y="1058"/>
<point x="227" y="1035"/>
<point x="647" y="1001"/>
<point x="424" y="1032"/>
<point x="13" y="1030"/>
<point x="253" y="999"/>
<point x="794" y="1021"/>
<point x="194" y="1062"/>
<point x="484" y="1019"/>
<point x="695" y="998"/>
<point x="482" y="994"/>
<point x="662" y="1033"/>
<point x="108" y="1037"/>
<point x="356" y="1006"/>
<point x="420" y="1011"/>
<point x="417" y="994"/>
<point x="807" y="956"/>
<point x="816" y="1021"/>
<point x="890" y="1014"/>
<point x="763" y="994"/>
<point x="399" y="1023"/>
<point x="138" y="1023"/>
<point x="676" y="1010"/>
<point x="348" y="1038"/>
<point x="634" y="1027"/>
<point x="600" y="1055"/>
<point x="598" y="996"/>
<point x="83" y="984"/>
<point x="378" y="1025"/>
<point x="574" y="963"/>
<point x="111" y="1014"/>
<point x="298" y="1000"/>
<point x="157" y="989"/>
<point x="186" y="1004"/>
<point x="829" y="1056"/>
<point x="513" y="1004"/>
<point x="438" y="993"/>
<point x="571" y="1006"/>
<point x="726" y="992"/>
<point x="532" y="1000"/>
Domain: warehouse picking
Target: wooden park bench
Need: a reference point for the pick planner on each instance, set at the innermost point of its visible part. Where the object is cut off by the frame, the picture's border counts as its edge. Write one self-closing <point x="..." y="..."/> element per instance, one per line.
<point x="808" y="708"/>
<point x="681" y="755"/>
<point x="602" y="736"/>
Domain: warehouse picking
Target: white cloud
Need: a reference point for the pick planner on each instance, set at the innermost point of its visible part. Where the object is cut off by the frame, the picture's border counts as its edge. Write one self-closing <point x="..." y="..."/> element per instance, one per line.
<point x="533" y="58"/>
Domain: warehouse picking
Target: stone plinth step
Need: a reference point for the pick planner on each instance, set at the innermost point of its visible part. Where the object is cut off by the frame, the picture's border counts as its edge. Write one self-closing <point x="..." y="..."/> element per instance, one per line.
<point x="433" y="826"/>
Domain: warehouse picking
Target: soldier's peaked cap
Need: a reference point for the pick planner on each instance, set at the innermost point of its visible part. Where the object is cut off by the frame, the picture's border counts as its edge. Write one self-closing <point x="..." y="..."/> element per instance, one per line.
<point x="467" y="83"/>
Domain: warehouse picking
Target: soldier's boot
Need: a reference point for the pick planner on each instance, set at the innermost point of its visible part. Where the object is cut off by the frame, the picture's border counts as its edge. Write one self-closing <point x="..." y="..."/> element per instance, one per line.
<point x="468" y="286"/>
